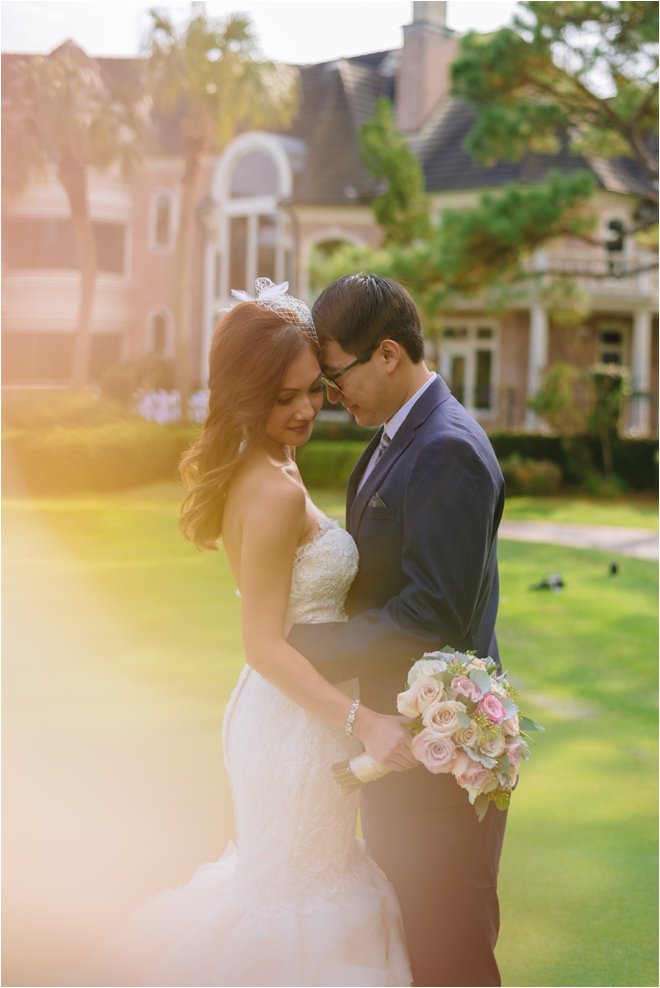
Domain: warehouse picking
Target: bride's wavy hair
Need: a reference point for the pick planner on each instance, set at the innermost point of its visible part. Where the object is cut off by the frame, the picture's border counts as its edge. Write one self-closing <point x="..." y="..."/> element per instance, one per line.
<point x="252" y="348"/>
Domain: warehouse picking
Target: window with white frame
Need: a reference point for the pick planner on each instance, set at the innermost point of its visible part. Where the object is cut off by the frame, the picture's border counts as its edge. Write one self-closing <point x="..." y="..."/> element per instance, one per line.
<point x="161" y="225"/>
<point x="160" y="337"/>
<point x="468" y="359"/>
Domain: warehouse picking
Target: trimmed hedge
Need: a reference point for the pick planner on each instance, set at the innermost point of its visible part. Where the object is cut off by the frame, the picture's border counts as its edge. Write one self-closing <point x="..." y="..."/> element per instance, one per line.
<point x="327" y="463"/>
<point x="530" y="476"/>
<point x="130" y="453"/>
<point x="107" y="458"/>
<point x="342" y="431"/>
<point x="579" y="457"/>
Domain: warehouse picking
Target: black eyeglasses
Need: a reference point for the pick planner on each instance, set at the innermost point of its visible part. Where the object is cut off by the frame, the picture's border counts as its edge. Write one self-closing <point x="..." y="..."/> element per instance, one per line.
<point x="330" y="382"/>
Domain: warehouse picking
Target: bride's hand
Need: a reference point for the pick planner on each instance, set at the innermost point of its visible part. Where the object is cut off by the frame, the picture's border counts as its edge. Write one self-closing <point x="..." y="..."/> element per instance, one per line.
<point x="385" y="739"/>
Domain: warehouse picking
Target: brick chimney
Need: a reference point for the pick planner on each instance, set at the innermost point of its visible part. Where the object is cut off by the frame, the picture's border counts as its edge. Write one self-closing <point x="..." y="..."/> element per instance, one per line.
<point x="429" y="47"/>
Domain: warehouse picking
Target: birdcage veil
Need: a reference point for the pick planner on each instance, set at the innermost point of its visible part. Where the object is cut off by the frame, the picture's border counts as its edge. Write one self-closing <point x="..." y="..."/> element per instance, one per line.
<point x="275" y="298"/>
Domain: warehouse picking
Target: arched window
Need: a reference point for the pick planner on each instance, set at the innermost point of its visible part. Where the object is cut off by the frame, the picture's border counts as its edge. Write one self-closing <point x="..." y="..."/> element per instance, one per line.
<point x="162" y="221"/>
<point x="161" y="336"/>
<point x="255" y="175"/>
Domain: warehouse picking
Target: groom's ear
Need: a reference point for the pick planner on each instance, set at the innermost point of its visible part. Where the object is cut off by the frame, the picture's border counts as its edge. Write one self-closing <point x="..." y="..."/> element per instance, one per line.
<point x="392" y="353"/>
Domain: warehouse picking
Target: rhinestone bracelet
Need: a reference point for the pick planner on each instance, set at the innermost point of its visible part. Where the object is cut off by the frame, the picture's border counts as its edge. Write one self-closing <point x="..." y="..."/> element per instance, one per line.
<point x="351" y="717"/>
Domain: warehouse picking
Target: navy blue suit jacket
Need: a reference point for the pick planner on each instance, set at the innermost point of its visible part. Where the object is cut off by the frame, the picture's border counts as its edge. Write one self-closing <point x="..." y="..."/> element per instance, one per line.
<point x="428" y="567"/>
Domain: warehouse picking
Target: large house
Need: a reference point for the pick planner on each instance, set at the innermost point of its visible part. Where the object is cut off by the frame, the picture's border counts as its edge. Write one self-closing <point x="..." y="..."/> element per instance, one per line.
<point x="270" y="200"/>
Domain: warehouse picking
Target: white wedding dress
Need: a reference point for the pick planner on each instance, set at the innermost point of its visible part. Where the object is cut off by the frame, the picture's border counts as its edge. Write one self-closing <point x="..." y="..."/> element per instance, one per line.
<point x="297" y="902"/>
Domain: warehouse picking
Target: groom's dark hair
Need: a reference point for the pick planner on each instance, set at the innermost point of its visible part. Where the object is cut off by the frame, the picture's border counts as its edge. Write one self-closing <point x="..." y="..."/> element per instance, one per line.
<point x="358" y="311"/>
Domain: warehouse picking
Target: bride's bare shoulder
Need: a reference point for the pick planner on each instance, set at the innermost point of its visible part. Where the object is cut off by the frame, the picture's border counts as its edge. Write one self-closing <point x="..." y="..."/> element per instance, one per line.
<point x="264" y="491"/>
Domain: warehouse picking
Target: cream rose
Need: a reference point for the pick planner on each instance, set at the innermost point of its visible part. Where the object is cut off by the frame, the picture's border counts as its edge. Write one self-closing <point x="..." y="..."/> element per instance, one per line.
<point x="466" y="735"/>
<point x="441" y="717"/>
<point x="423" y="692"/>
<point x="511" y="726"/>
<point x="492" y="747"/>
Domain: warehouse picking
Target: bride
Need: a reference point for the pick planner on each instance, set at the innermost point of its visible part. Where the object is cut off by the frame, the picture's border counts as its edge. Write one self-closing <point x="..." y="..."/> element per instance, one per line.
<point x="298" y="901"/>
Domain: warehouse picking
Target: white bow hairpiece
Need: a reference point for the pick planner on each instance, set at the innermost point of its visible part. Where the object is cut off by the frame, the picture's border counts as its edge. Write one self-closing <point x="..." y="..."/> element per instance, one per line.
<point x="275" y="298"/>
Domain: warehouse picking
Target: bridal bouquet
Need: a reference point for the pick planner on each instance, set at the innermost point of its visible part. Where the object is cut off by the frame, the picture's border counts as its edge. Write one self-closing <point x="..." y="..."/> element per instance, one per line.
<point x="465" y="721"/>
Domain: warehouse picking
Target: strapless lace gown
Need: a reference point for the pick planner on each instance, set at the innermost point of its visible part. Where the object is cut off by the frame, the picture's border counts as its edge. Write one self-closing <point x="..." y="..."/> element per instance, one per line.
<point x="297" y="902"/>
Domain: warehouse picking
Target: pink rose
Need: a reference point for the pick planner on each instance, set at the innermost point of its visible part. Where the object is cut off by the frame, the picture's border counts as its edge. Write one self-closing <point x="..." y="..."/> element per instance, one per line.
<point x="435" y="751"/>
<point x="492" y="708"/>
<point x="473" y="776"/>
<point x="461" y="685"/>
<point x="513" y="752"/>
<point x="511" y="726"/>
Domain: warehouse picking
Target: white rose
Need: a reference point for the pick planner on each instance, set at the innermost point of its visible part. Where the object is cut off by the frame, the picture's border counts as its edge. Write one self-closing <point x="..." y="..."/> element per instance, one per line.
<point x="426" y="667"/>
<point x="441" y="717"/>
<point x="497" y="688"/>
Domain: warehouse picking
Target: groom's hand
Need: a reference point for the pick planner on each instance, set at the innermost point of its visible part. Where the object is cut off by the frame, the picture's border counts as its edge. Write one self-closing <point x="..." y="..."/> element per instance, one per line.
<point x="385" y="739"/>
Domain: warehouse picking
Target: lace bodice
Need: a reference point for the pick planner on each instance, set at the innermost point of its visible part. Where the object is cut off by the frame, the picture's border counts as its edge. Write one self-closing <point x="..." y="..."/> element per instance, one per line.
<point x="296" y="832"/>
<point x="323" y="571"/>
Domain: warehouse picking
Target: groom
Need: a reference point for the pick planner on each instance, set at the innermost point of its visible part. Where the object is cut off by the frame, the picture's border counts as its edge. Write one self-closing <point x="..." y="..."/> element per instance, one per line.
<point x="423" y="504"/>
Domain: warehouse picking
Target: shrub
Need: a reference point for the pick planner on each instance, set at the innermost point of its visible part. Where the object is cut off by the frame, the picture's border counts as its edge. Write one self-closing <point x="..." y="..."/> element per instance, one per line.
<point x="48" y="408"/>
<point x="328" y="464"/>
<point x="579" y="457"/>
<point x="604" y="487"/>
<point x="530" y="476"/>
<point x="110" y="457"/>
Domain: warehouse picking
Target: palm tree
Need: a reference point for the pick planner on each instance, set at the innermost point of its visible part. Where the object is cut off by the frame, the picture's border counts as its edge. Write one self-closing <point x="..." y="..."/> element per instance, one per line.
<point x="58" y="111"/>
<point x="209" y="74"/>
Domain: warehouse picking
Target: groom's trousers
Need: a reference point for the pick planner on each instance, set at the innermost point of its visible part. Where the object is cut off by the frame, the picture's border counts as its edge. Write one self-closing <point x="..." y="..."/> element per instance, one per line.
<point x="443" y="865"/>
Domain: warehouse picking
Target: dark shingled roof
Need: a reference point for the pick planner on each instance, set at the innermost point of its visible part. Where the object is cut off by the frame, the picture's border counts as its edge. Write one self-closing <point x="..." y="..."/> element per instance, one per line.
<point x="337" y="98"/>
<point x="333" y="139"/>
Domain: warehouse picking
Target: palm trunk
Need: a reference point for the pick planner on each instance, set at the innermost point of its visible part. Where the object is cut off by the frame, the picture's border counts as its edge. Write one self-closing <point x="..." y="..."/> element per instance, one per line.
<point x="73" y="176"/>
<point x="197" y="145"/>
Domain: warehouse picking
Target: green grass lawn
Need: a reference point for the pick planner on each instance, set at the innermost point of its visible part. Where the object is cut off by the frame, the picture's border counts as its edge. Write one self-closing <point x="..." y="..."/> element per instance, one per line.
<point x="631" y="512"/>
<point x="578" y="876"/>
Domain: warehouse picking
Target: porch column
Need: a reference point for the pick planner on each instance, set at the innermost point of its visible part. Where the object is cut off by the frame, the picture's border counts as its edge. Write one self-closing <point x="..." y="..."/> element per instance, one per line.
<point x="538" y="358"/>
<point x="640" y="360"/>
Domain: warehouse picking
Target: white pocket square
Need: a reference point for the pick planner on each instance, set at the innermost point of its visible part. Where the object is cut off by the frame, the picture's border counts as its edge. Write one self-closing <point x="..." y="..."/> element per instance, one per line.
<point x="375" y="502"/>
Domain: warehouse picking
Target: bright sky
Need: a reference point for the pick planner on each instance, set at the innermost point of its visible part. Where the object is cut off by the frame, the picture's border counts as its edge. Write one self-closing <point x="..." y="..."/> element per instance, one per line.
<point x="296" y="31"/>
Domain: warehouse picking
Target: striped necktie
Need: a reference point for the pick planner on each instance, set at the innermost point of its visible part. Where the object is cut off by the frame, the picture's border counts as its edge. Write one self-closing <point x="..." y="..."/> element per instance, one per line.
<point x="383" y="444"/>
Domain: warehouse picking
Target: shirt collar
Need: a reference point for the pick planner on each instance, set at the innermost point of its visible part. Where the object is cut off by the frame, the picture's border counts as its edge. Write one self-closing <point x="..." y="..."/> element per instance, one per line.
<point x="397" y="420"/>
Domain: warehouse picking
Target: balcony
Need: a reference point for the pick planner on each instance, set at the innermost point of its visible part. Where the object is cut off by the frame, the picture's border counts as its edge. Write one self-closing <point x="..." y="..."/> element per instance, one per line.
<point x="630" y="276"/>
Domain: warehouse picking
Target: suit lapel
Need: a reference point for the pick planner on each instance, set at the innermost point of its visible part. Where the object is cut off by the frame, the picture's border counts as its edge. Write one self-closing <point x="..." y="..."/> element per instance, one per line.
<point x="435" y="395"/>
<point x="356" y="474"/>
<point x="381" y="469"/>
